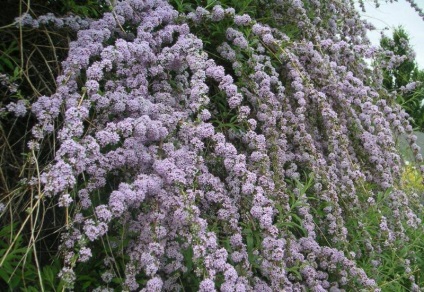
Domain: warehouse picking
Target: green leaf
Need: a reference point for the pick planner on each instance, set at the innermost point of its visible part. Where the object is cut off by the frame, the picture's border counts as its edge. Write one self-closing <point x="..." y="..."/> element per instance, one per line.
<point x="249" y="241"/>
<point x="4" y="275"/>
<point x="48" y="274"/>
<point x="188" y="259"/>
<point x="8" y="63"/>
<point x="295" y="270"/>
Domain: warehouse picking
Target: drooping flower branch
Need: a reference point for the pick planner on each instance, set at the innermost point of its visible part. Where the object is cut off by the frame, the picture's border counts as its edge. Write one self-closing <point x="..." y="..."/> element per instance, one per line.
<point x="181" y="149"/>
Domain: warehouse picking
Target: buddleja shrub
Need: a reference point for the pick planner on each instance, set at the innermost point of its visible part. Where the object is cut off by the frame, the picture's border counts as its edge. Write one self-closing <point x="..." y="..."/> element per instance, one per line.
<point x="239" y="167"/>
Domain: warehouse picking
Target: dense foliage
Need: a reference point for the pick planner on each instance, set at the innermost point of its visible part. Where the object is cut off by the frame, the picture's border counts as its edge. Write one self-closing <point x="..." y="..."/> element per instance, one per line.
<point x="232" y="146"/>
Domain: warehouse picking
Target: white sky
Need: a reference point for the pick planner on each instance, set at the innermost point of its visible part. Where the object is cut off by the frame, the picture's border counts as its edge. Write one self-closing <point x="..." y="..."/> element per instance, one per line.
<point x="391" y="15"/>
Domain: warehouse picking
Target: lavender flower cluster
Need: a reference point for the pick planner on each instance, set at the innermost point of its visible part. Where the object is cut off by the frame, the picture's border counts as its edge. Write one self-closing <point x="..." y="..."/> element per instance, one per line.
<point x="9" y="87"/>
<point x="416" y="8"/>
<point x="72" y="22"/>
<point x="138" y="131"/>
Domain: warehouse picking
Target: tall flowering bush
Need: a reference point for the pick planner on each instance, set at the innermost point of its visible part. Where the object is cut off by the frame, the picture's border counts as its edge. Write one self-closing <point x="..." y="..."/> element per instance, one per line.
<point x="404" y="76"/>
<point x="227" y="148"/>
